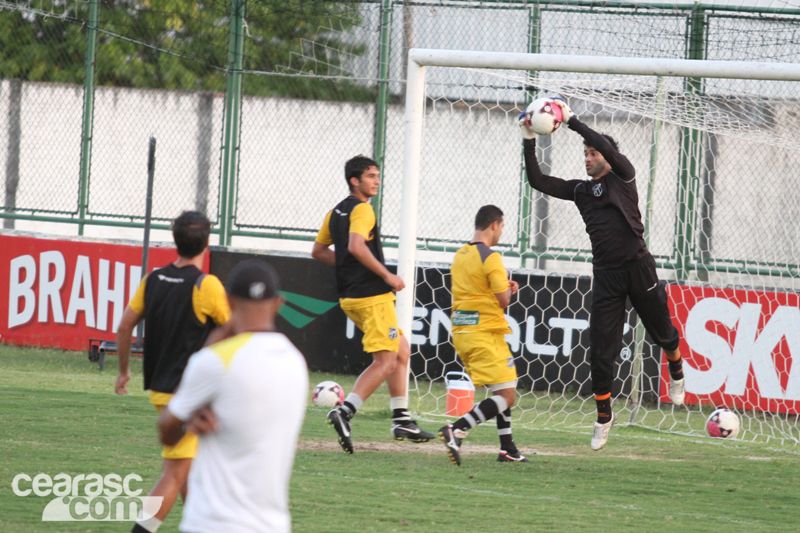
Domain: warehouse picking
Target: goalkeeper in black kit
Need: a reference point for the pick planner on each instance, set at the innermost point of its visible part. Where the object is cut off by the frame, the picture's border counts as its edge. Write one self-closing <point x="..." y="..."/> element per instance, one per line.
<point x="623" y="267"/>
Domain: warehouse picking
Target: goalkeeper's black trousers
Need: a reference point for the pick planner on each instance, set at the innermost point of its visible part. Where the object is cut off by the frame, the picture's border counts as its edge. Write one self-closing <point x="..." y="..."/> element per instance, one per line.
<point x="611" y="288"/>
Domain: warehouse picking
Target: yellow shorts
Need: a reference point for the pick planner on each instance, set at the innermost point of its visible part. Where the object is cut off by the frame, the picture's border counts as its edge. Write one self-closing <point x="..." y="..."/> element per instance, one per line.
<point x="486" y="357"/>
<point x="186" y="448"/>
<point x="379" y="324"/>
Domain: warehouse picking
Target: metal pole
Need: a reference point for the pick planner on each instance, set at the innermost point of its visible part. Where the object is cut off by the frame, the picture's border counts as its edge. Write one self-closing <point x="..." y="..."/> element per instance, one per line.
<point x="638" y="333"/>
<point x="690" y="153"/>
<point x="148" y="215"/>
<point x="680" y="68"/>
<point x="526" y="193"/>
<point x="88" y="113"/>
<point x="233" y="114"/>
<point x="12" y="151"/>
<point x="382" y="106"/>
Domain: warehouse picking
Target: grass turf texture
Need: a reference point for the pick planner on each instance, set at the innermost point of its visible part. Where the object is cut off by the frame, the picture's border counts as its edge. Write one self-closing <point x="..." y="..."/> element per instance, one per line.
<point x="60" y="415"/>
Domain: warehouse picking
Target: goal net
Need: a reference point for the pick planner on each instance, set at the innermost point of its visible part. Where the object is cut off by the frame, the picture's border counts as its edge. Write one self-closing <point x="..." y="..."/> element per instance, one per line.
<point x="716" y="150"/>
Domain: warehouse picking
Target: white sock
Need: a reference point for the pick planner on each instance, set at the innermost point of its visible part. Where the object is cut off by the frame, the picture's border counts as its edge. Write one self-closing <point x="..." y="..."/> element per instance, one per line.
<point x="501" y="402"/>
<point x="398" y="402"/>
<point x="354" y="400"/>
<point x="151" y="524"/>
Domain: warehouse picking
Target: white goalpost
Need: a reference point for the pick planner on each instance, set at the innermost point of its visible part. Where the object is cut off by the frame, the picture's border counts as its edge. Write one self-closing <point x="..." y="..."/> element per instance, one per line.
<point x="714" y="259"/>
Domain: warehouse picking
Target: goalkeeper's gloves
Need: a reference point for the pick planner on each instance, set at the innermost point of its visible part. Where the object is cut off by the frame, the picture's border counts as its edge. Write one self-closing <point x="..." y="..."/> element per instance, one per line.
<point x="527" y="133"/>
<point x="566" y="112"/>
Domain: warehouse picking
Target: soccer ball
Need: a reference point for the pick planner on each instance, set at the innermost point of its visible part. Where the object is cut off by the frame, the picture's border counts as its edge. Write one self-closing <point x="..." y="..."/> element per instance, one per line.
<point x="327" y="394"/>
<point x="723" y="423"/>
<point x="543" y="117"/>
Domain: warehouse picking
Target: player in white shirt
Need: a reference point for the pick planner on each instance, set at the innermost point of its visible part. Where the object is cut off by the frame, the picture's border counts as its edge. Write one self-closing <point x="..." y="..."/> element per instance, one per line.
<point x="246" y="398"/>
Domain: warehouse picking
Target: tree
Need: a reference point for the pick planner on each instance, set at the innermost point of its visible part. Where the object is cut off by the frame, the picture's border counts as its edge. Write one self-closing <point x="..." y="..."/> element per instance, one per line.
<point x="180" y="44"/>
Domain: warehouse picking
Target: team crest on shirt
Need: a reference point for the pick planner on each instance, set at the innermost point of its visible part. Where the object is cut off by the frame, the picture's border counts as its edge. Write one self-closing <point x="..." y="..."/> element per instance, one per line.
<point x="597" y="189"/>
<point x="392" y="333"/>
<point x="510" y="362"/>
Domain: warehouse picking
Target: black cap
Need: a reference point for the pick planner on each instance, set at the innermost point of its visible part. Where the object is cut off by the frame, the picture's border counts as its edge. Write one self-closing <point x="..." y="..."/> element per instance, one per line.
<point x="253" y="280"/>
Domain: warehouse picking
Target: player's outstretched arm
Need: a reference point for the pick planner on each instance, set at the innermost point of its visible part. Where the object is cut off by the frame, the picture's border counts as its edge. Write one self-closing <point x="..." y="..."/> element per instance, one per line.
<point x="563" y="189"/>
<point x="619" y="163"/>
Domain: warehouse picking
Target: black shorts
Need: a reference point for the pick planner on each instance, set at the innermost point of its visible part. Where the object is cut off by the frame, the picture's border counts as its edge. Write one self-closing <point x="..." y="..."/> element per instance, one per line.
<point x="611" y="288"/>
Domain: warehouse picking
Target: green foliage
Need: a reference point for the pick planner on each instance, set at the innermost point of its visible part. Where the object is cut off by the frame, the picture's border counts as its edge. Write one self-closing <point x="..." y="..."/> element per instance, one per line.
<point x="38" y="48"/>
<point x="179" y="44"/>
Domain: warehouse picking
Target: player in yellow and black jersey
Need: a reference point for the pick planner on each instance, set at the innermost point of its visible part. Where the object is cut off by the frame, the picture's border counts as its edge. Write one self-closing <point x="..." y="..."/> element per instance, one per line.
<point x="481" y="292"/>
<point x="366" y="294"/>
<point x="180" y="306"/>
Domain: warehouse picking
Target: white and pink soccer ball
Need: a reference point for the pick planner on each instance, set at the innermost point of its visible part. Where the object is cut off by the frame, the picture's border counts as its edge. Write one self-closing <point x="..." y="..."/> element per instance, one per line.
<point x="327" y="394"/>
<point x="723" y="423"/>
<point x="543" y="116"/>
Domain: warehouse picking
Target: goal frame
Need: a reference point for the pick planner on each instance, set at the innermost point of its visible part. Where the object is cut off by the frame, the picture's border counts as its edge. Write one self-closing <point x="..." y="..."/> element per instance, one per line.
<point x="420" y="58"/>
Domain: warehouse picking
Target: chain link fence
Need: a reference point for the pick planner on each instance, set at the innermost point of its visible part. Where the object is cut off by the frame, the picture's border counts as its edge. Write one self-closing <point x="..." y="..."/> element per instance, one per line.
<point x="256" y="104"/>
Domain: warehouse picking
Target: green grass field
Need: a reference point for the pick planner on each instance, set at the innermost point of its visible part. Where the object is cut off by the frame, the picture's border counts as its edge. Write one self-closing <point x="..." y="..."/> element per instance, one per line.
<point x="60" y="415"/>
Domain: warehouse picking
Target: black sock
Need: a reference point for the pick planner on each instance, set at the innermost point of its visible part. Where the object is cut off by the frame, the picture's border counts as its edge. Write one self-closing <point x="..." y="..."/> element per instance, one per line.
<point x="504" y="431"/>
<point x="348" y="409"/>
<point x="675" y="368"/>
<point x="603" y="410"/>
<point x="138" y="529"/>
<point x="481" y="413"/>
<point x="401" y="416"/>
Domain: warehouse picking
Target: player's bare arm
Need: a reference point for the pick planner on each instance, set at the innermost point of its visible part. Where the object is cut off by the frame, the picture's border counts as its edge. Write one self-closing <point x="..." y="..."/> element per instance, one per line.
<point x="357" y="245"/>
<point x="322" y="252"/>
<point x="124" y="335"/>
<point x="171" y="429"/>
<point x="202" y="421"/>
<point x="220" y="333"/>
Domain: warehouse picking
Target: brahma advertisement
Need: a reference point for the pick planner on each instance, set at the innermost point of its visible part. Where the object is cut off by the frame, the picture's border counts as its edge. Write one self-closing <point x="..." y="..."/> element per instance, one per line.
<point x="739" y="346"/>
<point x="61" y="293"/>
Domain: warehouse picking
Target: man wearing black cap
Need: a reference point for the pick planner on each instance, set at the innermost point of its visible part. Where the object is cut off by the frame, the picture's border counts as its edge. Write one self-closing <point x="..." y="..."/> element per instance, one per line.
<point x="229" y="396"/>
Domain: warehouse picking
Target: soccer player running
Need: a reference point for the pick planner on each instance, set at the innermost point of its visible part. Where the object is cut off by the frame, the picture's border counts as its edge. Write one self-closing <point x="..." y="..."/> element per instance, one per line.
<point x="180" y="306"/>
<point x="366" y="294"/>
<point x="623" y="267"/>
<point x="246" y="397"/>
<point x="481" y="291"/>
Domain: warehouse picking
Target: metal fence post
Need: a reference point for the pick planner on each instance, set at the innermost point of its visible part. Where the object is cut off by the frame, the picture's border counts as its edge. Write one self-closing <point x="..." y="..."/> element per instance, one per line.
<point x="382" y="107"/>
<point x="88" y="113"/>
<point x="233" y="115"/>
<point x="690" y="153"/>
<point x="12" y="151"/>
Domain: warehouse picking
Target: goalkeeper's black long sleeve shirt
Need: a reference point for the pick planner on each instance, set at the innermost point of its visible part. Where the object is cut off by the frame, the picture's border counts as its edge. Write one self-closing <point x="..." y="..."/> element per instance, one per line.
<point x="609" y="205"/>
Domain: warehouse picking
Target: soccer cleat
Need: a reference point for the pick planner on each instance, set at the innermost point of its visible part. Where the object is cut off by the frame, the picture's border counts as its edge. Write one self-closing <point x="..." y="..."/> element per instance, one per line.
<point x="452" y="443"/>
<point x="342" y="426"/>
<point x="511" y="457"/>
<point x="411" y="431"/>
<point x="600" y="435"/>
<point x="677" y="391"/>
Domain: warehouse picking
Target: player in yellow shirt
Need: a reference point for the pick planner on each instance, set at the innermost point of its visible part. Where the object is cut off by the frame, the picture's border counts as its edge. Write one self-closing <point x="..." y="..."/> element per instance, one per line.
<point x="481" y="291"/>
<point x="366" y="294"/>
<point x="181" y="306"/>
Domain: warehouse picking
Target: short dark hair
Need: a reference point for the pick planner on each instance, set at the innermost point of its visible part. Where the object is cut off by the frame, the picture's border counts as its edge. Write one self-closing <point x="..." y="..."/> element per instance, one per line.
<point x="190" y="230"/>
<point x="355" y="167"/>
<point x="486" y="216"/>
<point x="608" y="137"/>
